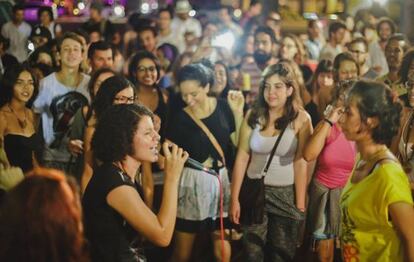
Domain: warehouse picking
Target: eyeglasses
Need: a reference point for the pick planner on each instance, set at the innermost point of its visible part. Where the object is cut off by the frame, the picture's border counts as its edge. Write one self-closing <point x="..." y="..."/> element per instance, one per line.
<point x="125" y="99"/>
<point x="142" y="69"/>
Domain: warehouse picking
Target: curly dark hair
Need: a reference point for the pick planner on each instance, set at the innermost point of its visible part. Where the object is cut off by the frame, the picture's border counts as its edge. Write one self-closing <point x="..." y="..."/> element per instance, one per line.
<point x="9" y="80"/>
<point x="260" y="109"/>
<point x="115" y="130"/>
<point x="408" y="59"/>
<point x="375" y="99"/>
<point x="107" y="92"/>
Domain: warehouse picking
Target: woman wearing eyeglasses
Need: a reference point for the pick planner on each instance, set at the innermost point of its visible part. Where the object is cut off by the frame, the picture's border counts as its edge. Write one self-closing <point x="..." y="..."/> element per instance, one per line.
<point x="403" y="145"/>
<point x="113" y="91"/>
<point x="145" y="71"/>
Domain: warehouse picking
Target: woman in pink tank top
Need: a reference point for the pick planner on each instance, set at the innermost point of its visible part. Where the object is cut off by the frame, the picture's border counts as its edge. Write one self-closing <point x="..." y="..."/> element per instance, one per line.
<point x="335" y="157"/>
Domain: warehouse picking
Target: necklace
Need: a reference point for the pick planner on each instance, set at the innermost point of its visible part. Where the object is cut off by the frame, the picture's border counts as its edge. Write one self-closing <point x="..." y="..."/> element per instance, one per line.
<point x="22" y="123"/>
<point x="374" y="157"/>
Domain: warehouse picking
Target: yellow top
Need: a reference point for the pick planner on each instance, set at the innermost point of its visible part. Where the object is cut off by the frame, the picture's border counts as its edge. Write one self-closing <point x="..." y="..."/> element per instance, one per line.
<point x="366" y="228"/>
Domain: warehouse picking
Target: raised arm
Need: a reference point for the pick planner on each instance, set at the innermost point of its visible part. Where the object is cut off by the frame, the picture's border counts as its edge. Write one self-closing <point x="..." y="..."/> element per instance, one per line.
<point x="236" y="103"/>
<point x="239" y="169"/>
<point x="156" y="228"/>
<point x="322" y="131"/>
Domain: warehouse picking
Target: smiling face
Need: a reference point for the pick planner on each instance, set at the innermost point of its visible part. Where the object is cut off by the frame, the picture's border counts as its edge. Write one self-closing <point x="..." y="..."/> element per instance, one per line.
<point x="192" y="93"/>
<point x="276" y="92"/>
<point x="24" y="87"/>
<point x="71" y="53"/>
<point x="348" y="70"/>
<point x="145" y="141"/>
<point x="147" y="72"/>
<point x="221" y="78"/>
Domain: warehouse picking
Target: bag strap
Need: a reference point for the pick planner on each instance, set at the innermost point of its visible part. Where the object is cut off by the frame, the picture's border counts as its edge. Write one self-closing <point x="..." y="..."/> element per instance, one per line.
<point x="205" y="129"/>
<point x="269" y="161"/>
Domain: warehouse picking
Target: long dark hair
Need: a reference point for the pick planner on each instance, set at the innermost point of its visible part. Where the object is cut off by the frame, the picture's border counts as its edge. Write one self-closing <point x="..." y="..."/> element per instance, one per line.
<point x="260" y="108"/>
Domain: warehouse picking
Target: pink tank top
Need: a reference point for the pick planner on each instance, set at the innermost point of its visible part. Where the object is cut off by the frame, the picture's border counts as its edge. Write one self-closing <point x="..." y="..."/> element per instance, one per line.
<point x="336" y="160"/>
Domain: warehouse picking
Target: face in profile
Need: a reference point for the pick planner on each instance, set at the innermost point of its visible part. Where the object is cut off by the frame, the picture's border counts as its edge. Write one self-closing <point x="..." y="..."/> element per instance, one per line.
<point x="350" y="120"/>
<point x="145" y="141"/>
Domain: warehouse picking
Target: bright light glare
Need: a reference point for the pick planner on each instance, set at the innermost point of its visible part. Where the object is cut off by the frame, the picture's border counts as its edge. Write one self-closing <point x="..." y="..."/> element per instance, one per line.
<point x="81" y="5"/>
<point x="75" y="11"/>
<point x="225" y="40"/>
<point x="119" y="10"/>
<point x="237" y="13"/>
<point x="31" y="47"/>
<point x="145" y="8"/>
<point x="192" y="13"/>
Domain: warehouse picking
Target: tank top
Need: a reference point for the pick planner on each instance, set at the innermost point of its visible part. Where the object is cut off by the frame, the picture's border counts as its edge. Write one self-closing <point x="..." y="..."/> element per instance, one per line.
<point x="280" y="171"/>
<point x="19" y="150"/>
<point x="336" y="160"/>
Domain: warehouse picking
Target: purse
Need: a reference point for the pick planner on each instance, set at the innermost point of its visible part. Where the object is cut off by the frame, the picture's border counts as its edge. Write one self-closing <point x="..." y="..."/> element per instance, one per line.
<point x="252" y="193"/>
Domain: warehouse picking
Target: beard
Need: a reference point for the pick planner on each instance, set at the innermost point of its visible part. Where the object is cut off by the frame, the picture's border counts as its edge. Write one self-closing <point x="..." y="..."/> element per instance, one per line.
<point x="261" y="57"/>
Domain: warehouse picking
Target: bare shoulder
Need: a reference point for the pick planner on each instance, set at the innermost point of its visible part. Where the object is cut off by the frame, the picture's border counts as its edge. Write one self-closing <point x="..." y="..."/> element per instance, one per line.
<point x="302" y="119"/>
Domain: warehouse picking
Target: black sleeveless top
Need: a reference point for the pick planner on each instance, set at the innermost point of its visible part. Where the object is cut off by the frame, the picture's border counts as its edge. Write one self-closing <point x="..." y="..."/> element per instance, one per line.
<point x="161" y="112"/>
<point x="19" y="150"/>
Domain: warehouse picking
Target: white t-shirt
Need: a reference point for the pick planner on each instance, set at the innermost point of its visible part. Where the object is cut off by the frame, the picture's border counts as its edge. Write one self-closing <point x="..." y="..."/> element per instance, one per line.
<point x="329" y="52"/>
<point x="57" y="104"/>
<point x="18" y="36"/>
<point x="173" y="39"/>
<point x="179" y="26"/>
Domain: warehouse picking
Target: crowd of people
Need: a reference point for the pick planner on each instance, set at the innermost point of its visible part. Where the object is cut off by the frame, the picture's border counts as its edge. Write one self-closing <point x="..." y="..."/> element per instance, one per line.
<point x="157" y="142"/>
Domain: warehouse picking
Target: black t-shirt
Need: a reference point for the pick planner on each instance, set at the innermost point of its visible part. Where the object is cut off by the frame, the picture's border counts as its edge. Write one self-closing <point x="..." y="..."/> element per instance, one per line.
<point x="184" y="132"/>
<point x="110" y="236"/>
<point x="312" y="110"/>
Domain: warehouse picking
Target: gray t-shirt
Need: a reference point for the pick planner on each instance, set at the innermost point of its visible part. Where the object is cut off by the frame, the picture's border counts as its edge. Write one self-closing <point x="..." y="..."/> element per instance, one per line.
<point x="57" y="105"/>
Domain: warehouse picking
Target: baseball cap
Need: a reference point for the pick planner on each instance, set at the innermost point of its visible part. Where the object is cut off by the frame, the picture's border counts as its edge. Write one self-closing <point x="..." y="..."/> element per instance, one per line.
<point x="182" y="6"/>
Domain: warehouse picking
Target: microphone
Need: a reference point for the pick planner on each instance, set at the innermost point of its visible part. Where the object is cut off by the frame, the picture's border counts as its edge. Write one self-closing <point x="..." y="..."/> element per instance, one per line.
<point x="192" y="163"/>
